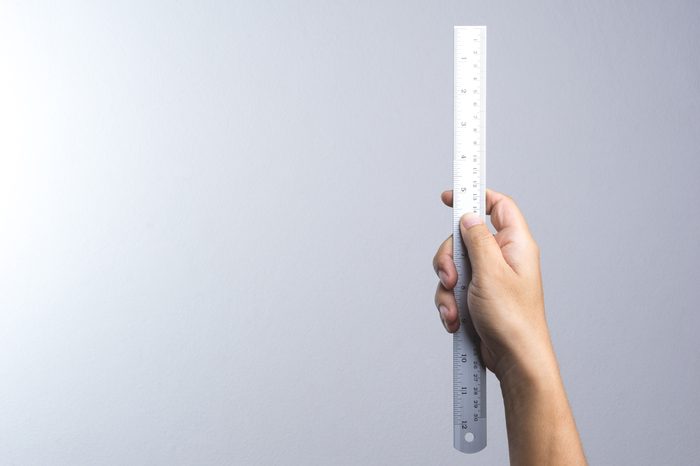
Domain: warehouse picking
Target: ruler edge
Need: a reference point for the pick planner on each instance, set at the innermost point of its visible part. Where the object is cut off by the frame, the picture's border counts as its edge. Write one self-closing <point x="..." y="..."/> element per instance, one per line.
<point x="483" y="31"/>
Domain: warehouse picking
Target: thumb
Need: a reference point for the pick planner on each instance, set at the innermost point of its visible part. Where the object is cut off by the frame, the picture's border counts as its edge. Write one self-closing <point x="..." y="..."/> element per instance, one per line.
<point x="484" y="252"/>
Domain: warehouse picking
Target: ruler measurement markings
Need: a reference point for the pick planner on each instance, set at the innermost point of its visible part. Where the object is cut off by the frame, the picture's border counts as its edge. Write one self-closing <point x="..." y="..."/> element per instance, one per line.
<point x="469" y="150"/>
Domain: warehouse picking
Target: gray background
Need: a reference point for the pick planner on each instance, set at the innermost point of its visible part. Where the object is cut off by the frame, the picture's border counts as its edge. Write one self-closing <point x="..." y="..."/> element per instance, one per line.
<point x="217" y="222"/>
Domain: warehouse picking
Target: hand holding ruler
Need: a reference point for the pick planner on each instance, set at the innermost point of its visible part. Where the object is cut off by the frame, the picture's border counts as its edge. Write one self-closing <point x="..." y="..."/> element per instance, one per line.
<point x="469" y="376"/>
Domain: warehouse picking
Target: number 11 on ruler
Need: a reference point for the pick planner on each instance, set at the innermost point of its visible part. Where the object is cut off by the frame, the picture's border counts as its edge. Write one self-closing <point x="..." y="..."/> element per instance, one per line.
<point x="469" y="376"/>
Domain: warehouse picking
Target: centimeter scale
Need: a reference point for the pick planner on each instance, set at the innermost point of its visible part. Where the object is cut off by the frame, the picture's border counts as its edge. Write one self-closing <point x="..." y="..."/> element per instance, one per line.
<point x="469" y="376"/>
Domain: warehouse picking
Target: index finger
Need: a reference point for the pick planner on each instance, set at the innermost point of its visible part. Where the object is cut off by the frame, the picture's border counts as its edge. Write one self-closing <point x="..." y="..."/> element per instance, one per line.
<point x="446" y="197"/>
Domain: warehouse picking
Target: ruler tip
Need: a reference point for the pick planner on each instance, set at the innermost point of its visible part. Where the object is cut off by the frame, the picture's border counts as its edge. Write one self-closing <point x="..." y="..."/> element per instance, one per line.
<point x="467" y="27"/>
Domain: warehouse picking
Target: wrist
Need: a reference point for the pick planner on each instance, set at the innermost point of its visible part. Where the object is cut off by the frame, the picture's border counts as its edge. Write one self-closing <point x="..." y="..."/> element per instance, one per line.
<point x="528" y="382"/>
<point x="532" y="365"/>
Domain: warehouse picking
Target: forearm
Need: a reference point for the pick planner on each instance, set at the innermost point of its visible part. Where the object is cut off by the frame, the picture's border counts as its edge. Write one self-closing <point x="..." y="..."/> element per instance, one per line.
<point x="540" y="425"/>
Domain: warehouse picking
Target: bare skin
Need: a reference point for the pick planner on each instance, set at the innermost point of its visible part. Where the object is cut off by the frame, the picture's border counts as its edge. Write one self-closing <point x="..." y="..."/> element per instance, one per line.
<point x="506" y="304"/>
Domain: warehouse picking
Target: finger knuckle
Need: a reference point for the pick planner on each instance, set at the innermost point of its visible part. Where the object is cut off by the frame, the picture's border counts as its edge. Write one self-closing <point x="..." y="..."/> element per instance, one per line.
<point x="443" y="250"/>
<point x="444" y="262"/>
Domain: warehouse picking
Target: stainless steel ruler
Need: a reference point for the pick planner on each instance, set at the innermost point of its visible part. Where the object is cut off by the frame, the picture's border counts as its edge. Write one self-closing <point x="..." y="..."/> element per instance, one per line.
<point x="469" y="376"/>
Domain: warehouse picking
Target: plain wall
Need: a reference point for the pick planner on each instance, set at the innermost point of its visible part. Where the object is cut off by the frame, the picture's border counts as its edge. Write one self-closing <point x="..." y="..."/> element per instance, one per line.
<point x="217" y="221"/>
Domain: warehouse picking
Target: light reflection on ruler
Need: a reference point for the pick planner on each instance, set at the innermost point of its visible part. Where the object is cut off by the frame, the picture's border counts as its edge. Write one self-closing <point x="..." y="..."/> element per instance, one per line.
<point x="469" y="377"/>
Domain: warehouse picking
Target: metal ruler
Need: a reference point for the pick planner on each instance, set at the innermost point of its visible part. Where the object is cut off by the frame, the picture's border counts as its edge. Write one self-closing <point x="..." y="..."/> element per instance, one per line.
<point x="469" y="164"/>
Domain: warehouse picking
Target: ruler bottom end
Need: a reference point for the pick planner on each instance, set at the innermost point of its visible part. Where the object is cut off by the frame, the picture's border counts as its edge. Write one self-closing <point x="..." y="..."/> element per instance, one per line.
<point x="467" y="442"/>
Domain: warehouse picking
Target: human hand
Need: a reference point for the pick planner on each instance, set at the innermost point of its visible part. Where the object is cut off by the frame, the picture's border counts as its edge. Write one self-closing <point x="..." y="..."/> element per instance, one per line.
<point x="505" y="296"/>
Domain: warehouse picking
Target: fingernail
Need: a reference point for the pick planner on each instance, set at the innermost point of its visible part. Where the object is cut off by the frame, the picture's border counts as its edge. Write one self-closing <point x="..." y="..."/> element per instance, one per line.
<point x="443" y="278"/>
<point x="470" y="219"/>
<point x="443" y="313"/>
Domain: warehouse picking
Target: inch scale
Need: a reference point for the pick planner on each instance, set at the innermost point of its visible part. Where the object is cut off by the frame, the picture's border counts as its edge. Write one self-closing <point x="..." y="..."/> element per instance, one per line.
<point x="469" y="376"/>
